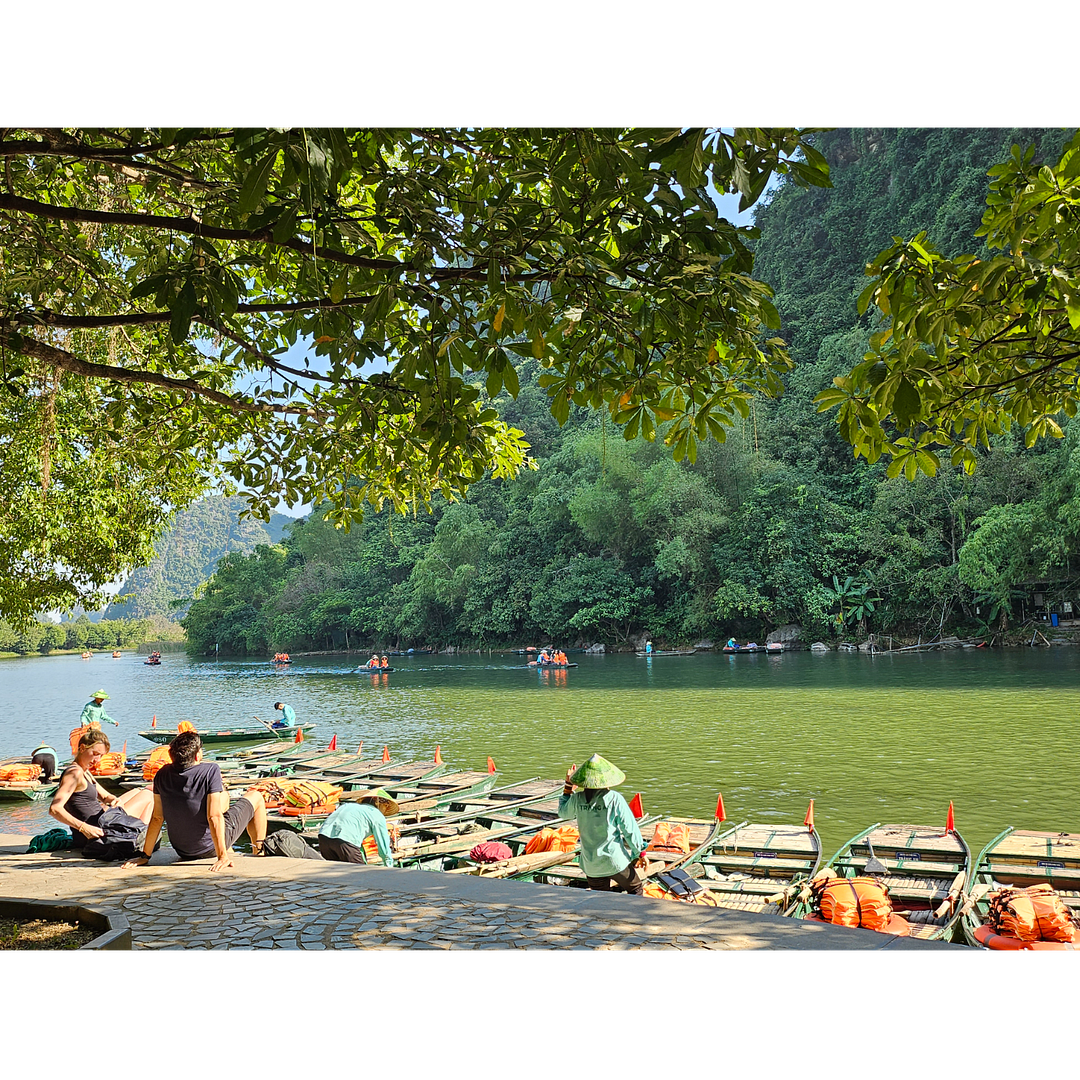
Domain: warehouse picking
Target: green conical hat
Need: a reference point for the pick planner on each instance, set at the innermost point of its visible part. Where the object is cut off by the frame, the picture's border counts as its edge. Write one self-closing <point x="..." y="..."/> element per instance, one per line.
<point x="99" y="694"/>
<point x="598" y="772"/>
<point x="381" y="799"/>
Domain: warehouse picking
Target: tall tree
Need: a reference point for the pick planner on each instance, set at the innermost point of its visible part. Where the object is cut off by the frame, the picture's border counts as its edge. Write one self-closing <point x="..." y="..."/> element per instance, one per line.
<point x="159" y="277"/>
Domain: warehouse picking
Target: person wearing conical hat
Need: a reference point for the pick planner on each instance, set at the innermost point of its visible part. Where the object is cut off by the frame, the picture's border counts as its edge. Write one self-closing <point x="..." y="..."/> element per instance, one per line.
<point x="343" y="833"/>
<point x="611" y="841"/>
<point x="94" y="712"/>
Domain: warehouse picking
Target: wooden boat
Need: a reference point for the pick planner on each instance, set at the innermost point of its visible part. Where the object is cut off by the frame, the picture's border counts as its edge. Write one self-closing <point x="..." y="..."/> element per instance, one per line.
<point x="544" y="667"/>
<point x="666" y="652"/>
<point x="116" y="655"/>
<point x="151" y="662"/>
<point x="1019" y="858"/>
<point x="231" y="735"/>
<point x="747" y="865"/>
<point x="924" y="868"/>
<point x="751" y="648"/>
<point x="375" y="670"/>
<point x="32" y="792"/>
<point x="86" y="655"/>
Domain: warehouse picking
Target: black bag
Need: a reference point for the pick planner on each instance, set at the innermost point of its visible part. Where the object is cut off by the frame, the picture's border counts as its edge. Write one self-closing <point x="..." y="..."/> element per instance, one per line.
<point x="290" y="845"/>
<point x="680" y="883"/>
<point x="123" y="836"/>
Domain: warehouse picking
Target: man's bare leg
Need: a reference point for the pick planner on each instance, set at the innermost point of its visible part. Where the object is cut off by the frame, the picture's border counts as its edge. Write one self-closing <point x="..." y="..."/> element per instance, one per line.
<point x="256" y="828"/>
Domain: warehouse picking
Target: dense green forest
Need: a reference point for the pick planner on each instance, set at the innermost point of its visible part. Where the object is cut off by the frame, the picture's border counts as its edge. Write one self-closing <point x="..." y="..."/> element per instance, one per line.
<point x="44" y="636"/>
<point x="610" y="540"/>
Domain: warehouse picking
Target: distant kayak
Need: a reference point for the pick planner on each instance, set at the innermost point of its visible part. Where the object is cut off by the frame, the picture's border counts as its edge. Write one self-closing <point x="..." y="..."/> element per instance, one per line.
<point x="375" y="670"/>
<point x="537" y="664"/>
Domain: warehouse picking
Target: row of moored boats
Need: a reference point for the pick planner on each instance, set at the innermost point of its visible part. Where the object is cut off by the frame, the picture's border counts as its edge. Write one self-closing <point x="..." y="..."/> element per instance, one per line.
<point x="1022" y="892"/>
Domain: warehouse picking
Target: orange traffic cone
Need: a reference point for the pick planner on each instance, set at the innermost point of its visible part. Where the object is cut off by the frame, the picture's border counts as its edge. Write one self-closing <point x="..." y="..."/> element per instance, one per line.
<point x="720" y="815"/>
<point x="950" y="824"/>
<point x="808" y="821"/>
<point x="438" y="756"/>
<point x="491" y="766"/>
<point x="635" y="806"/>
<point x="333" y="743"/>
<point x="299" y="735"/>
<point x="385" y="754"/>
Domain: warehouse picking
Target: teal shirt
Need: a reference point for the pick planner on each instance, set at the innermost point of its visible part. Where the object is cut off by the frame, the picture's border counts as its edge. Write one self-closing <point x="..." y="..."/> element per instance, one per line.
<point x="288" y="716"/>
<point x="355" y="822"/>
<point x="94" y="714"/>
<point x="610" y="838"/>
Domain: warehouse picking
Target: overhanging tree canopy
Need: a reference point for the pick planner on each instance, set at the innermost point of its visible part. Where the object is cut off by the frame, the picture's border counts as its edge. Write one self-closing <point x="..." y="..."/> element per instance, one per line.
<point x="970" y="346"/>
<point x="152" y="282"/>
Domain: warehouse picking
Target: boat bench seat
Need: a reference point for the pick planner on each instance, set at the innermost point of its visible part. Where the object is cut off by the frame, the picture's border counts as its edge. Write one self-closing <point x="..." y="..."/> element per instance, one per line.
<point x="752" y="886"/>
<point x="919" y="868"/>
<point x="784" y="868"/>
<point x="928" y="890"/>
<point x="1020" y="875"/>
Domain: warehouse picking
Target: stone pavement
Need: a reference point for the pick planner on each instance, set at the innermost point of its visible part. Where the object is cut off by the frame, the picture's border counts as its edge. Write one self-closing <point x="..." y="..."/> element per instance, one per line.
<point x="279" y="903"/>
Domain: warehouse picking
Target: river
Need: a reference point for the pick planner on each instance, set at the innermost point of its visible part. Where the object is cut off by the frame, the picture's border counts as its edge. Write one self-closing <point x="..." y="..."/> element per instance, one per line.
<point x="891" y="738"/>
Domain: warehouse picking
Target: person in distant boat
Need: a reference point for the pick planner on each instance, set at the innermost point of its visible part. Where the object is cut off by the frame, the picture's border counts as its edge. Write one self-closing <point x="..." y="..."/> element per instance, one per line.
<point x="648" y="648"/>
<point x="732" y="643"/>
<point x="190" y="800"/>
<point x="374" y="661"/>
<point x="94" y="711"/>
<point x="343" y="833"/>
<point x="384" y="662"/>
<point x="288" y="715"/>
<point x="611" y="842"/>
<point x="80" y="800"/>
<point x="47" y="758"/>
<point x="542" y="657"/>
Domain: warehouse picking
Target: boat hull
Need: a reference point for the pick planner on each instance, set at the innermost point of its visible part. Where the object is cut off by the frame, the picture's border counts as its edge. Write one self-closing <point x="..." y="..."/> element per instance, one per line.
<point x="238" y="735"/>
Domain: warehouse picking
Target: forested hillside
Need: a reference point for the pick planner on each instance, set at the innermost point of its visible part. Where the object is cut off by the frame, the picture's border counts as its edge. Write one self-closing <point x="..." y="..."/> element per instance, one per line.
<point x="609" y="540"/>
<point x="188" y="553"/>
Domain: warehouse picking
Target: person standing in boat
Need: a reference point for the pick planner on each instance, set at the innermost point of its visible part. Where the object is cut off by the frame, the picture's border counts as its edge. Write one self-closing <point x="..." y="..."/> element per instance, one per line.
<point x="343" y="833"/>
<point x="288" y="715"/>
<point x="648" y="648"/>
<point x="94" y="712"/>
<point x="611" y="842"/>
<point x="80" y="800"/>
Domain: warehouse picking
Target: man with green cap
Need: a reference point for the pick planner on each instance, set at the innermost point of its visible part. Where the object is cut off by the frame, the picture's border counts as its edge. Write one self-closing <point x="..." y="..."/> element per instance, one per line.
<point x="610" y="839"/>
<point x="94" y="712"/>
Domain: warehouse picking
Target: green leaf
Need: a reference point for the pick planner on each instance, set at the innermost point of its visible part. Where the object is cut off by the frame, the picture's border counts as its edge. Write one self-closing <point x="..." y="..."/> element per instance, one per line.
<point x="182" y="310"/>
<point x="907" y="404"/>
<point x="255" y="184"/>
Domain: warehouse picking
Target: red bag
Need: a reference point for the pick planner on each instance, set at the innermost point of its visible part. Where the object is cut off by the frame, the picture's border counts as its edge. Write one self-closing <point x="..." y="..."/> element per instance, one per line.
<point x="491" y="851"/>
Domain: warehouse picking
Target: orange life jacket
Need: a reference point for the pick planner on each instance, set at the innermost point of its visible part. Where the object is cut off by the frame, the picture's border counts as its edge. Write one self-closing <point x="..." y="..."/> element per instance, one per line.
<point x="1036" y="913"/>
<point x="859" y="901"/>
<point x="159" y="756"/>
<point x="185" y="725"/>
<point x="272" y="791"/>
<point x="20" y="774"/>
<point x="564" y="838"/>
<point x="704" y="897"/>
<point x="371" y="848"/>
<point x="311" y="797"/>
<point x="76" y="734"/>
<point x="109" y="765"/>
<point x="671" y="836"/>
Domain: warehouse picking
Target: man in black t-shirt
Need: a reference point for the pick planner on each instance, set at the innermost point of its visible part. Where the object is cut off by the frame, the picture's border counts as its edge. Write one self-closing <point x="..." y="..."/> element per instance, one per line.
<point x="190" y="798"/>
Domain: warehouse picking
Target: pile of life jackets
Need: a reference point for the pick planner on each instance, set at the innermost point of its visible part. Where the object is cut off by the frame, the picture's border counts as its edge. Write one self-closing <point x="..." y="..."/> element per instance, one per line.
<point x="562" y="839"/>
<point x="158" y="758"/>
<point x="1036" y="913"/>
<point x="185" y="725"/>
<point x="17" y="775"/>
<point x="672" y="837"/>
<point x="859" y="901"/>
<point x="371" y="849"/>
<point x="311" y="797"/>
<point x="109" y="765"/>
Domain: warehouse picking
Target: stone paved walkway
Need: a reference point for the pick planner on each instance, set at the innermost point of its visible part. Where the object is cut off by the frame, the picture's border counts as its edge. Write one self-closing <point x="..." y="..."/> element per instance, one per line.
<point x="301" y="904"/>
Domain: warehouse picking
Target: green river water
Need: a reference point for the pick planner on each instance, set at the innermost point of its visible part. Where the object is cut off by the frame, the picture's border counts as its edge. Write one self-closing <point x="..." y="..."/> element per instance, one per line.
<point x="891" y="738"/>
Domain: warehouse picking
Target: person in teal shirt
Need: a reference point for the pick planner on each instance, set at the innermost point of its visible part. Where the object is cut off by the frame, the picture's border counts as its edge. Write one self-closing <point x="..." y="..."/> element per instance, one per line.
<point x="94" y="712"/>
<point x="288" y="715"/>
<point x="343" y="833"/>
<point x="611" y="841"/>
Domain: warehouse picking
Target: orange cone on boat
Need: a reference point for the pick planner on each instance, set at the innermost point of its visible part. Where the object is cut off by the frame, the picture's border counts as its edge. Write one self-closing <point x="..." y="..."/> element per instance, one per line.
<point x="299" y="735"/>
<point x="438" y="756"/>
<point x="720" y="815"/>
<point x="491" y="766"/>
<point x="808" y="821"/>
<point x="153" y="722"/>
<point x="360" y="748"/>
<point x="333" y="743"/>
<point x="950" y="824"/>
<point x="635" y="806"/>
<point x="385" y="754"/>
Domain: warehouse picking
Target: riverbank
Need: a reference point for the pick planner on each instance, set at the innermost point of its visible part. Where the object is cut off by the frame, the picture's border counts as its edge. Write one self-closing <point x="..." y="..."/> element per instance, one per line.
<point x="278" y="903"/>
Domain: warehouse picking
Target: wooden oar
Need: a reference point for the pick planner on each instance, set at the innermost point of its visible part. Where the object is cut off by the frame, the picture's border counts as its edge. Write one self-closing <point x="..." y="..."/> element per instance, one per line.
<point x="266" y="725"/>
<point x="955" y="889"/>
